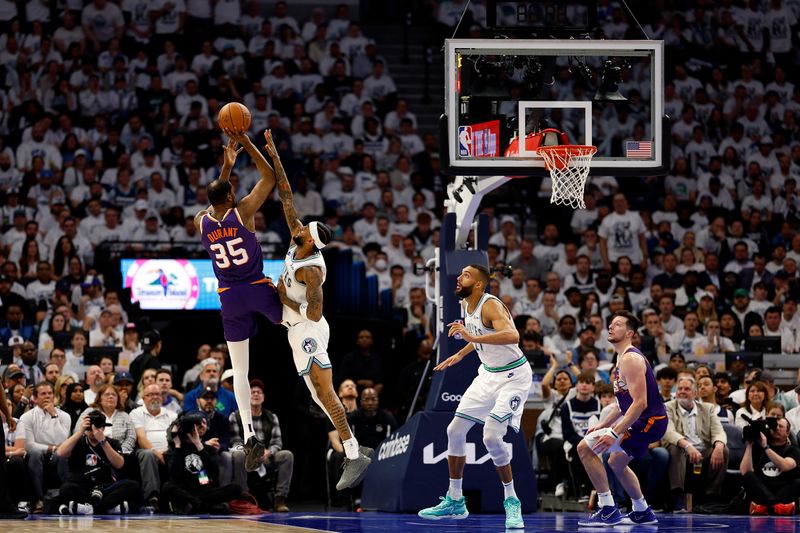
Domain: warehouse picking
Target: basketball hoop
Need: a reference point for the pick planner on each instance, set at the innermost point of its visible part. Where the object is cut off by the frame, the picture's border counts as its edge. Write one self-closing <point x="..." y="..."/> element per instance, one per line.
<point x="569" y="166"/>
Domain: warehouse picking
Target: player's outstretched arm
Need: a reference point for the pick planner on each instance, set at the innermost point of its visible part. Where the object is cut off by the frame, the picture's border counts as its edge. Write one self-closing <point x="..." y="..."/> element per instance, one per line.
<point x="284" y="188"/>
<point x="253" y="201"/>
<point x="312" y="277"/>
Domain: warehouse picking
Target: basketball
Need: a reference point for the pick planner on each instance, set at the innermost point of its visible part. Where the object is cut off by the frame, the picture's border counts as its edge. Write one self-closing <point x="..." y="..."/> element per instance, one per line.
<point x="234" y="117"/>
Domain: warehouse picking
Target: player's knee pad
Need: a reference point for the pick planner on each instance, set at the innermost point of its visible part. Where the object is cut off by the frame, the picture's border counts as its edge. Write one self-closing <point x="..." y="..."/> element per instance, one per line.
<point x="493" y="433"/>
<point x="457" y="436"/>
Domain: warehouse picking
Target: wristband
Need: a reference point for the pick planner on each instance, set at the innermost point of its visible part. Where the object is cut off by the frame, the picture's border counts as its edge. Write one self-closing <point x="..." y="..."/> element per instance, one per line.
<point x="304" y="311"/>
<point x="613" y="433"/>
<point x="101" y="442"/>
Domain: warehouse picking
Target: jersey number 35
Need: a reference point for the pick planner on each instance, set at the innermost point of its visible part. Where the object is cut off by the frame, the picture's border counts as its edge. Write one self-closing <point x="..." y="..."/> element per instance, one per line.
<point x="227" y="254"/>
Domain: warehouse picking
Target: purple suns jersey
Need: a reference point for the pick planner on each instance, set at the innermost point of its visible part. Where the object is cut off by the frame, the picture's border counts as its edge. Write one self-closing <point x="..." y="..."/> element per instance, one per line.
<point x="655" y="405"/>
<point x="234" y="250"/>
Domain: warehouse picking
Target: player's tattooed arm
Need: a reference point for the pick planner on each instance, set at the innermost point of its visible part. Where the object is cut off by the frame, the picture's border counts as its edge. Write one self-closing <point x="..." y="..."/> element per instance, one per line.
<point x="312" y="277"/>
<point x="285" y="300"/>
<point x="284" y="188"/>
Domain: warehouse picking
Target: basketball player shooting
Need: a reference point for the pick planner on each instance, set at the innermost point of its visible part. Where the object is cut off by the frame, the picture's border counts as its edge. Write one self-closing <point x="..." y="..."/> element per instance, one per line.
<point x="640" y="419"/>
<point x="300" y="291"/>
<point x="227" y="229"/>
<point x="495" y="398"/>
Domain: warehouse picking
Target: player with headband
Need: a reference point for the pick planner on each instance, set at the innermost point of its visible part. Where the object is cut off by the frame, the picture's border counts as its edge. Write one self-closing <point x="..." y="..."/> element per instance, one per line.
<point x="300" y="291"/>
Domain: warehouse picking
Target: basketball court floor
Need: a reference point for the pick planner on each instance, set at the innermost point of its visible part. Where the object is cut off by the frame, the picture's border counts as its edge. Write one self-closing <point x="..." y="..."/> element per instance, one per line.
<point x="389" y="523"/>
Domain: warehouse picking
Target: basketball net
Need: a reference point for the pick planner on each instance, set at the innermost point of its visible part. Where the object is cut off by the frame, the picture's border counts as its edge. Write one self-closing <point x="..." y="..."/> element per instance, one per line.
<point x="569" y="166"/>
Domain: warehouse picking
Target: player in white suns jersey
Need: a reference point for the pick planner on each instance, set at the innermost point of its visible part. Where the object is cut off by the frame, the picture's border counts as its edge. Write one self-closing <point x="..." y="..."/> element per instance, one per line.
<point x="495" y="398"/>
<point x="300" y="291"/>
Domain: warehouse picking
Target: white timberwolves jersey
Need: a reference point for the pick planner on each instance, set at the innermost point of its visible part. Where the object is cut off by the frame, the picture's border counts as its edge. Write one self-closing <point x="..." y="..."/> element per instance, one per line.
<point x="493" y="356"/>
<point x="296" y="290"/>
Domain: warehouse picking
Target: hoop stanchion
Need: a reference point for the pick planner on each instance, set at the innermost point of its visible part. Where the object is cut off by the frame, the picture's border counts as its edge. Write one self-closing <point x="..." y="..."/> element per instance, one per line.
<point x="569" y="167"/>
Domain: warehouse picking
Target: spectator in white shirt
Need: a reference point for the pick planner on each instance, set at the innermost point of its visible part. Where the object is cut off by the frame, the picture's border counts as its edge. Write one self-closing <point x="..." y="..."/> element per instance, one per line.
<point x="41" y="290"/>
<point x="306" y="143"/>
<point x="670" y="322"/>
<point x="308" y="202"/>
<point x="380" y="87"/>
<point x="562" y="343"/>
<point x="151" y="422"/>
<point x="282" y="17"/>
<point x="102" y="21"/>
<point x="39" y="432"/>
<point x="337" y="143"/>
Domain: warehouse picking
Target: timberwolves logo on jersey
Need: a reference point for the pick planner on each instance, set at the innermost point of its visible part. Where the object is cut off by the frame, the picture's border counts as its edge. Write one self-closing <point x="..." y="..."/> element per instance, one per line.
<point x="514" y="403"/>
<point x="309" y="345"/>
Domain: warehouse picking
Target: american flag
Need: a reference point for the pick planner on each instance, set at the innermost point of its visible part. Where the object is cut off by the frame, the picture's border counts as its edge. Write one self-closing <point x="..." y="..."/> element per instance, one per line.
<point x="638" y="149"/>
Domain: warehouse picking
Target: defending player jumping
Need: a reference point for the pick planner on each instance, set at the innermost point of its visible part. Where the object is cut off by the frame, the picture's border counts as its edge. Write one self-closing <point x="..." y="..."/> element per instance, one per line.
<point x="640" y="419"/>
<point x="495" y="398"/>
<point x="227" y="230"/>
<point x="300" y="291"/>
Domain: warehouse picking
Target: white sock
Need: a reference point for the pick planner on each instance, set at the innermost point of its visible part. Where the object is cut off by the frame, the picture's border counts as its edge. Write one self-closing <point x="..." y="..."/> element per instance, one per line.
<point x="639" y="505"/>
<point x="605" y="499"/>
<point x="455" y="489"/>
<point x="508" y="490"/>
<point x="240" y="362"/>
<point x="351" y="448"/>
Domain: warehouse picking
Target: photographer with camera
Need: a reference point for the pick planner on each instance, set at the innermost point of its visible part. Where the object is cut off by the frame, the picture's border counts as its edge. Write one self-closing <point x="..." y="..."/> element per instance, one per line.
<point x="193" y="486"/>
<point x="694" y="437"/>
<point x="769" y="467"/>
<point x="92" y="485"/>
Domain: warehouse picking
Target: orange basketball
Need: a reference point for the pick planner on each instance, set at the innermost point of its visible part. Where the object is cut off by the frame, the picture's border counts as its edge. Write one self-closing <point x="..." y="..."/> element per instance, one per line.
<point x="235" y="117"/>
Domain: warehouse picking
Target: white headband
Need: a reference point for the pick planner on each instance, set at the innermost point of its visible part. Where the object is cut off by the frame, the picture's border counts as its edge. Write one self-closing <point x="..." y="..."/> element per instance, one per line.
<point x="314" y="230"/>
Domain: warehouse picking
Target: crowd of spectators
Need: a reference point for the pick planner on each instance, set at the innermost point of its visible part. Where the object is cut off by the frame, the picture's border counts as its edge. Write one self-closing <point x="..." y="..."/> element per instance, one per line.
<point x="107" y="134"/>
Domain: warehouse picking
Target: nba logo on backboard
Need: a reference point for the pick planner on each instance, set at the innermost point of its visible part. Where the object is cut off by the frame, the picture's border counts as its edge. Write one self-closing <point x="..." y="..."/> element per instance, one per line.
<point x="465" y="141"/>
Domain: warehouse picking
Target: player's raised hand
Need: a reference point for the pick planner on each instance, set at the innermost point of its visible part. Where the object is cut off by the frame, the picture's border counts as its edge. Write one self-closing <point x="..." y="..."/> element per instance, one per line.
<point x="230" y="152"/>
<point x="272" y="151"/>
<point x="450" y="361"/>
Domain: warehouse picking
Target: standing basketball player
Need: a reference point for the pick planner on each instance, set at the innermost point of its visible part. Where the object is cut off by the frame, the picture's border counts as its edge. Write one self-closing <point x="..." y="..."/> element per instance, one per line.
<point x="300" y="291"/>
<point x="227" y="230"/>
<point x="639" y="420"/>
<point x="495" y="398"/>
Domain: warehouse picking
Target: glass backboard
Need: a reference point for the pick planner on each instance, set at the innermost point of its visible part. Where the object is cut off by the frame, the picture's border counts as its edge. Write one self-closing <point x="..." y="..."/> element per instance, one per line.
<point x="603" y="93"/>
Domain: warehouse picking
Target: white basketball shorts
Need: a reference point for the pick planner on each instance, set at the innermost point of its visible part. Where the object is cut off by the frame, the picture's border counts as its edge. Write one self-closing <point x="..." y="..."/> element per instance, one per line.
<point x="309" y="342"/>
<point x="500" y="395"/>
